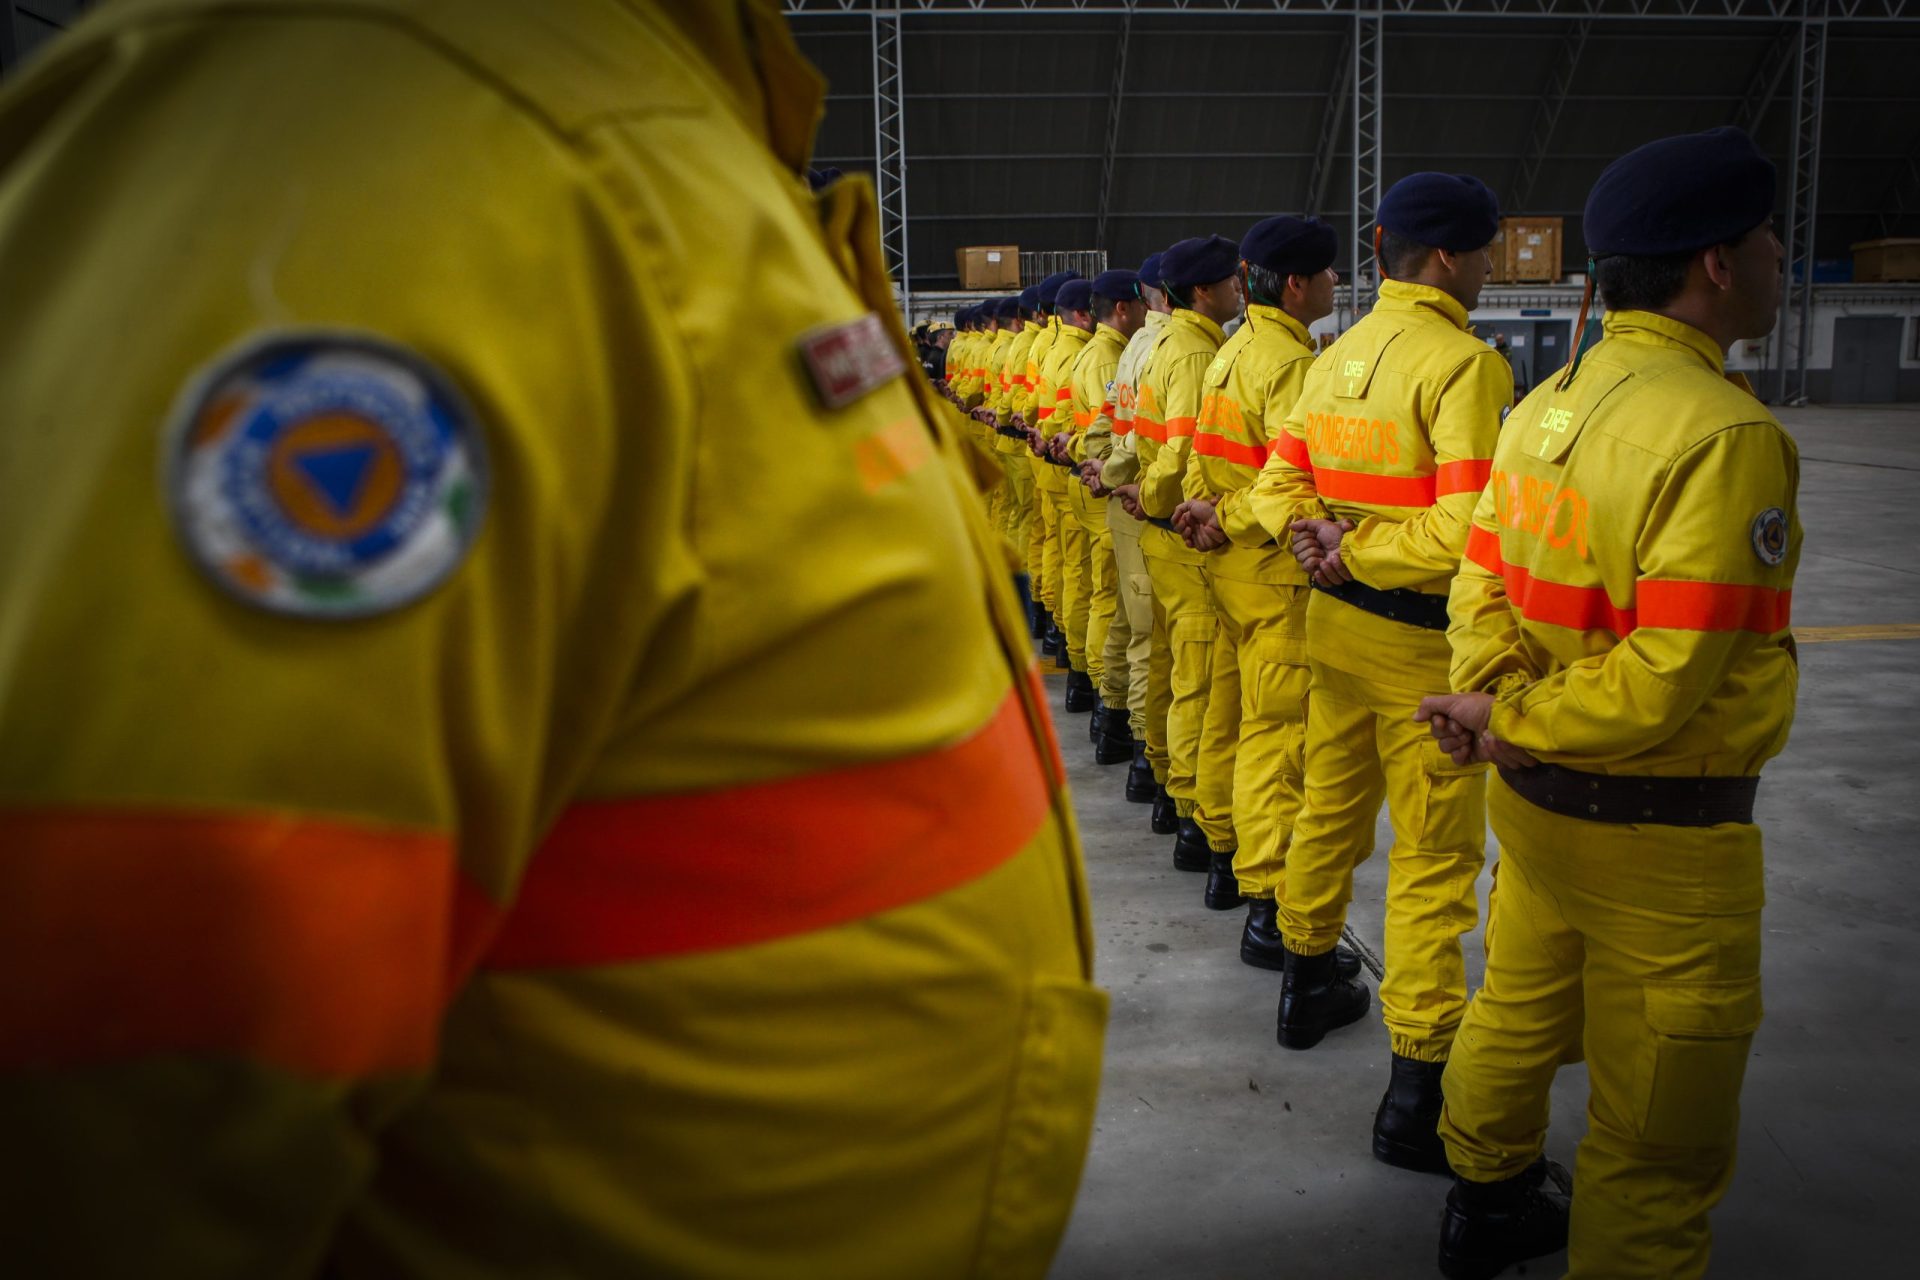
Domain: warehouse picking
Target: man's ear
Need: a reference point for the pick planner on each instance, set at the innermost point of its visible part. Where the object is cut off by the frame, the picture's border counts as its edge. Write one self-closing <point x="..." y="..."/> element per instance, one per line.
<point x="1718" y="266"/>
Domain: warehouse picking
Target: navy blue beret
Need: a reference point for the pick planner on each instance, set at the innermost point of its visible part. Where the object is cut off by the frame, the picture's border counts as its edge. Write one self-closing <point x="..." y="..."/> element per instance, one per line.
<point x="1118" y="284"/>
<point x="1030" y="298"/>
<point x="818" y="178"/>
<point x="1050" y="287"/>
<point x="962" y="316"/>
<point x="1451" y="211"/>
<point x="1201" y="260"/>
<point x="1680" y="194"/>
<point x="1074" y="295"/>
<point x="1007" y="308"/>
<point x="1290" y="246"/>
<point x="1150" y="271"/>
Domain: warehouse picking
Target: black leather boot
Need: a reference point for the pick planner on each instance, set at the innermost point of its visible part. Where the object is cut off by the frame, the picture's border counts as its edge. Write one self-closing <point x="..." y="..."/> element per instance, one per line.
<point x="1314" y="1000"/>
<point x="1141" y="788"/>
<point x="1190" y="849"/>
<point x="1406" y="1129"/>
<point x="1262" y="946"/>
<point x="1052" y="640"/>
<point x="1115" y="745"/>
<point x="1166" y="815"/>
<point x="1489" y="1226"/>
<point x="1060" y="659"/>
<point x="1223" y="887"/>
<point x="1097" y="722"/>
<point x="1080" y="694"/>
<point x="1037" y="619"/>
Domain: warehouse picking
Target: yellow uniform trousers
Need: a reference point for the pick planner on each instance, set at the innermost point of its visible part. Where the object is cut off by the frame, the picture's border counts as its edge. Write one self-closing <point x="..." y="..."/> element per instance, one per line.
<point x="1364" y="746"/>
<point x="1088" y="551"/>
<point x="1129" y="648"/>
<point x="1213" y="761"/>
<point x="1263" y="632"/>
<point x="1043" y="559"/>
<point x="1180" y="669"/>
<point x="1643" y="942"/>
<point x="1016" y="508"/>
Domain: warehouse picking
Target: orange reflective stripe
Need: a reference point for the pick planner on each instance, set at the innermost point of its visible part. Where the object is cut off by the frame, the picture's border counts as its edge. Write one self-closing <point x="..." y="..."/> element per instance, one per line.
<point x="1123" y="426"/>
<point x="1293" y="450"/>
<point x="1712" y="606"/>
<point x="1209" y="445"/>
<point x="1178" y="428"/>
<point x="1543" y="600"/>
<point x="1083" y="419"/>
<point x="1665" y="603"/>
<point x="649" y="876"/>
<point x="1107" y="408"/>
<point x="1064" y="393"/>
<point x="316" y="945"/>
<point x="1374" y="490"/>
<point x="1150" y="428"/>
<point x="1469" y="475"/>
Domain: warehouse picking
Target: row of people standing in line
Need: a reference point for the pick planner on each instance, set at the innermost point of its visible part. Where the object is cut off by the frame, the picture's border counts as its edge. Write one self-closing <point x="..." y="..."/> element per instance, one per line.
<point x="1265" y="569"/>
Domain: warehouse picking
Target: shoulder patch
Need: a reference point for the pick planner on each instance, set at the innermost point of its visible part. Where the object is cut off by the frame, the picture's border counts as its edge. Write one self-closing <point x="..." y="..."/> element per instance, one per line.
<point x="325" y="474"/>
<point x="1770" y="536"/>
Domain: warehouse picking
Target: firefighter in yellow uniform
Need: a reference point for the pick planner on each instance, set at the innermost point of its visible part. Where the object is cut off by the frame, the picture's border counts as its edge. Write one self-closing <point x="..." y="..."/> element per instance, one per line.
<point x="1119" y="312"/>
<point x="1374" y="478"/>
<point x="993" y="395"/>
<point x="505" y="827"/>
<point x="1009" y="445"/>
<point x="1035" y="412"/>
<point x="1113" y="463"/>
<point x="1620" y="637"/>
<point x="1258" y="585"/>
<point x="1202" y="276"/>
<point x="1072" y="311"/>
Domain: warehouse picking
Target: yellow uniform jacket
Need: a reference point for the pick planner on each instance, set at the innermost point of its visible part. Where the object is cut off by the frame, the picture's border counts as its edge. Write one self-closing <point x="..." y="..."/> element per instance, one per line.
<point x="1050" y="391"/>
<point x="1629" y="575"/>
<point x="1394" y="430"/>
<point x="1249" y="387"/>
<point x="1123" y="458"/>
<point x="1091" y="385"/>
<point x="1014" y="377"/>
<point x="627" y="903"/>
<point x="1169" y="411"/>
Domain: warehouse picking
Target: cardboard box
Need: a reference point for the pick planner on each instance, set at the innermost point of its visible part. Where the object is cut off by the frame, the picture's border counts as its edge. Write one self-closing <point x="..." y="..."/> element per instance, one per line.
<point x="989" y="266"/>
<point x="1883" y="261"/>
<point x="1532" y="249"/>
<point x="1497" y="251"/>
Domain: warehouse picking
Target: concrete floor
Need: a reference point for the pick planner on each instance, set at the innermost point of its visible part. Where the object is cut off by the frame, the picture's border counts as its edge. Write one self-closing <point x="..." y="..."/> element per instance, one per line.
<point x="1218" y="1154"/>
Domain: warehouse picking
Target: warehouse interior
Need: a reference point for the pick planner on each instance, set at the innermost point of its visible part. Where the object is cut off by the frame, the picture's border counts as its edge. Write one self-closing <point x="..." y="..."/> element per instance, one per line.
<point x="1090" y="133"/>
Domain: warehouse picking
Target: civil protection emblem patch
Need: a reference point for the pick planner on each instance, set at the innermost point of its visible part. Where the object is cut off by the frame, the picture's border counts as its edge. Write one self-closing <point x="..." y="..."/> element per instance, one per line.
<point x="1769" y="534"/>
<point x="324" y="474"/>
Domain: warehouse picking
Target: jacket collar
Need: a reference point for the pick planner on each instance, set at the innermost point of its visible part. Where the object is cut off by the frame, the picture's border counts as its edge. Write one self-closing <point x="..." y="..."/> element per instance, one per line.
<point x="1663" y="331"/>
<point x="1261" y="316"/>
<point x="1403" y="295"/>
<point x="1192" y="317"/>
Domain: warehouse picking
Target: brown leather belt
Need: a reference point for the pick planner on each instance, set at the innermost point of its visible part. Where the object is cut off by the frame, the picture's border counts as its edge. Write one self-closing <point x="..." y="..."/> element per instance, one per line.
<point x="1666" y="802"/>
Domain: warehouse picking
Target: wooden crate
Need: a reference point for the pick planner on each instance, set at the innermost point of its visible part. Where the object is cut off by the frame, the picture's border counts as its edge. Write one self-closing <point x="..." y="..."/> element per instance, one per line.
<point x="1497" y="253"/>
<point x="989" y="266"/>
<point x="1532" y="249"/>
<point x="1882" y="261"/>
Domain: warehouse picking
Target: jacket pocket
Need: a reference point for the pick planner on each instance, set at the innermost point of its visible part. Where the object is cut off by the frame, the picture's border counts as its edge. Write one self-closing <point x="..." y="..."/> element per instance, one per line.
<point x="1702" y="1033"/>
<point x="1048" y="1124"/>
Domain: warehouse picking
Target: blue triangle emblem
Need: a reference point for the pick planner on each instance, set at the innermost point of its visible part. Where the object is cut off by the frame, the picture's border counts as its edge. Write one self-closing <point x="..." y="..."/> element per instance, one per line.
<point x="339" y="475"/>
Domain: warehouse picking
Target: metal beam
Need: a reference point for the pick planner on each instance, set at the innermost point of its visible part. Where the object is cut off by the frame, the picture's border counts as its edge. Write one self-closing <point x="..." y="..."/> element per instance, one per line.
<point x="1803" y="199"/>
<point x="1368" y="43"/>
<point x="890" y="150"/>
<point x="1546" y="115"/>
<point x="1763" y="87"/>
<point x="1116" y="98"/>
<point x="1330" y="118"/>
<point x="1516" y="10"/>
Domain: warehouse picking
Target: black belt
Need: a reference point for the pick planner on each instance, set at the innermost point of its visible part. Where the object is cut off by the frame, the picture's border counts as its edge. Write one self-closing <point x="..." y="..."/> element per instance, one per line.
<point x="1415" y="608"/>
<point x="1158" y="523"/>
<point x="1666" y="802"/>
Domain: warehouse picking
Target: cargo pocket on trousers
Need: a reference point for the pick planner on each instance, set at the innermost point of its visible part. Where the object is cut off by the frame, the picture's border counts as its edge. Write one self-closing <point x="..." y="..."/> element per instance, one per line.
<point x="1280" y="679"/>
<point x="1192" y="641"/>
<point x="1701" y="1033"/>
<point x="1049" y="1121"/>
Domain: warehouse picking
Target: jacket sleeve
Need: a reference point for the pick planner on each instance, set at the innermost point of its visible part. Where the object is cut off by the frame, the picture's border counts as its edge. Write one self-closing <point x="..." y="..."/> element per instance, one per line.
<point x="1387" y="554"/>
<point x="1489" y="655"/>
<point x="250" y="856"/>
<point x="1090" y="409"/>
<point x="1702" y="601"/>
<point x="1235" y="511"/>
<point x="1162" y="487"/>
<point x="1284" y="491"/>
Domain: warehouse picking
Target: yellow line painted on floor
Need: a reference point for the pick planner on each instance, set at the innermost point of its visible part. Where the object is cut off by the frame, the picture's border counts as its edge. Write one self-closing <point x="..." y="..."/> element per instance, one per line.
<point x="1868" y="631"/>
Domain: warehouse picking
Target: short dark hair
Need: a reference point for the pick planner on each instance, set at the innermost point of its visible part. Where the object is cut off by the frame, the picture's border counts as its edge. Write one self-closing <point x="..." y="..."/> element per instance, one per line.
<point x="1265" y="285"/>
<point x="1628" y="283"/>
<point x="1103" y="305"/>
<point x="1400" y="257"/>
